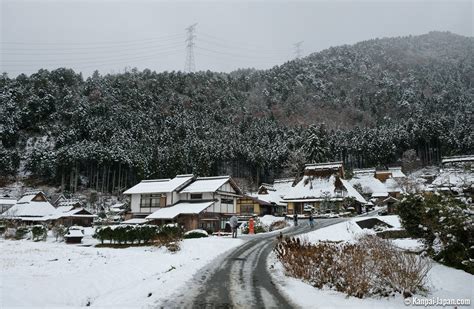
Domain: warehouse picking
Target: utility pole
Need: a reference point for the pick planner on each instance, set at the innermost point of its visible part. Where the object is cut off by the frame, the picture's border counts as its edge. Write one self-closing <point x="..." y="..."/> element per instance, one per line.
<point x="298" y="50"/>
<point x="189" y="65"/>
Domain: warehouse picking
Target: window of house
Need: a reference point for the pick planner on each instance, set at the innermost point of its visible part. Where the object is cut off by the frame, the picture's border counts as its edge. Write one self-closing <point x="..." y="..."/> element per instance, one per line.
<point x="246" y="209"/>
<point x="196" y="196"/>
<point x="227" y="201"/>
<point x="153" y="200"/>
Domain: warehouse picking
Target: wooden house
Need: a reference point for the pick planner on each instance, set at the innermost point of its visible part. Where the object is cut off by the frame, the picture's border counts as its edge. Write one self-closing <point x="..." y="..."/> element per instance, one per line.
<point x="464" y="162"/>
<point x="248" y="205"/>
<point x="30" y="208"/>
<point x="274" y="193"/>
<point x="322" y="188"/>
<point x="202" y="202"/>
<point x="71" y="216"/>
<point x="6" y="203"/>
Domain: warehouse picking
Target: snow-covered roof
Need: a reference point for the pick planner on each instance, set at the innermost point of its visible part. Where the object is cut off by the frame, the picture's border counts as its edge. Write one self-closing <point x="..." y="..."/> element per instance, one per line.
<point x="282" y="186"/>
<point x="320" y="166"/>
<point x="351" y="192"/>
<point x="257" y="200"/>
<point x="27" y="207"/>
<point x="454" y="177"/>
<point x="457" y="159"/>
<point x="135" y="221"/>
<point x="62" y="212"/>
<point x="178" y="209"/>
<point x="321" y="188"/>
<point x="74" y="233"/>
<point x="206" y="184"/>
<point x="397" y="172"/>
<point x="26" y="198"/>
<point x="370" y="184"/>
<point x="71" y="202"/>
<point x="392" y="185"/>
<point x="160" y="185"/>
<point x="4" y="201"/>
<point x="276" y="192"/>
<point x="62" y="209"/>
<point x="273" y="196"/>
<point x="364" y="171"/>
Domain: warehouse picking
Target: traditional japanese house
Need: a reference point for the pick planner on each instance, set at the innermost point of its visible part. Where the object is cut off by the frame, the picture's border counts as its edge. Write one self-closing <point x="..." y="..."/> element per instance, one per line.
<point x="30" y="208"/>
<point x="202" y="202"/>
<point x="323" y="188"/>
<point x="248" y="205"/>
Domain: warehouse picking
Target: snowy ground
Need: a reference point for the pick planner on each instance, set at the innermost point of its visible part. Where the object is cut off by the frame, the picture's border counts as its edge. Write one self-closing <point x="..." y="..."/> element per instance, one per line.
<point x="48" y="274"/>
<point x="348" y="230"/>
<point x="444" y="282"/>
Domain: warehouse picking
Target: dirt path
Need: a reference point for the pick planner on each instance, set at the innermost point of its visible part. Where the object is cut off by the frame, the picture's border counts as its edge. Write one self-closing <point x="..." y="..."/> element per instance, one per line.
<point x="240" y="279"/>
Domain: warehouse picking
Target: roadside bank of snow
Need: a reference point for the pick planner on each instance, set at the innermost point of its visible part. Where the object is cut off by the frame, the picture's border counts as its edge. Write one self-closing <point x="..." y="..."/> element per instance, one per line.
<point x="349" y="230"/>
<point x="269" y="219"/>
<point x="306" y="296"/>
<point x="444" y="282"/>
<point x="45" y="274"/>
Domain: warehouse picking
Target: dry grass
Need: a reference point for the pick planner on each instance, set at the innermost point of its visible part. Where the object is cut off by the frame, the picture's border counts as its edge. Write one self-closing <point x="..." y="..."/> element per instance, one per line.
<point x="371" y="266"/>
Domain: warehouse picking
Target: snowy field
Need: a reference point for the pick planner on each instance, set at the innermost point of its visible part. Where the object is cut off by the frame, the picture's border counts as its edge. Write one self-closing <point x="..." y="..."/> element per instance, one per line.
<point x="50" y="274"/>
<point x="444" y="282"/>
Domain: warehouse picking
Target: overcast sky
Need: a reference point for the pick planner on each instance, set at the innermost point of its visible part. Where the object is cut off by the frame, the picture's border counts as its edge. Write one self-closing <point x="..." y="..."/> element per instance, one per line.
<point x="114" y="35"/>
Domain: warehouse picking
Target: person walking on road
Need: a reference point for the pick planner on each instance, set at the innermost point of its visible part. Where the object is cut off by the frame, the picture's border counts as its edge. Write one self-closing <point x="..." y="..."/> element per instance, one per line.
<point x="311" y="220"/>
<point x="234" y="223"/>
<point x="295" y="219"/>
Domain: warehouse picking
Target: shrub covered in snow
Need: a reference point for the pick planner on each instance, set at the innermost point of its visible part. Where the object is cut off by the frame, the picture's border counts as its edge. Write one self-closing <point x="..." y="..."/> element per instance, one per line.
<point x="21" y="232"/>
<point x="169" y="236"/>
<point x="370" y="266"/>
<point x="278" y="225"/>
<point x="445" y="225"/>
<point x="195" y="234"/>
<point x="39" y="232"/>
<point x="123" y="234"/>
<point x="139" y="234"/>
<point x="59" y="231"/>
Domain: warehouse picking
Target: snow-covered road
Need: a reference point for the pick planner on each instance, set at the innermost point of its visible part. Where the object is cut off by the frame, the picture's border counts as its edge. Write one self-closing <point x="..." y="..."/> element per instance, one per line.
<point x="239" y="279"/>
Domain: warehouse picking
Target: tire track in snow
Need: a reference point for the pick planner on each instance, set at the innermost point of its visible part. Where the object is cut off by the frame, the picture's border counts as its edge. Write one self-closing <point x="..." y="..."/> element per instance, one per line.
<point x="240" y="279"/>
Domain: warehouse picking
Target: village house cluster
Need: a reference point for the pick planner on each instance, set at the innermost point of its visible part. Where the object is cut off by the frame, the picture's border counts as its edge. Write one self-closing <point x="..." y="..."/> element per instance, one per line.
<point x="325" y="189"/>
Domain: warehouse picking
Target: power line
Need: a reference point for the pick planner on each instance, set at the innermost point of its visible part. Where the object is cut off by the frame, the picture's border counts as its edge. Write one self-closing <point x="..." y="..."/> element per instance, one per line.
<point x="189" y="65"/>
<point x="242" y="49"/>
<point x="109" y="52"/>
<point x="165" y="37"/>
<point x="226" y="58"/>
<point x="236" y="55"/>
<point x="94" y="60"/>
<point x="240" y="44"/>
<point x="6" y="50"/>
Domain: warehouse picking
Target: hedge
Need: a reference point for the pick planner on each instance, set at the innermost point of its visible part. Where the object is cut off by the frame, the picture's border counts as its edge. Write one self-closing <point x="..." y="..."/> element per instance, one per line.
<point x="123" y="234"/>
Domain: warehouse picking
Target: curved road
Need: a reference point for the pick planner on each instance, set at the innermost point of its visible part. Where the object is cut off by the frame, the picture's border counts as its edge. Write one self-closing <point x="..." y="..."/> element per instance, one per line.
<point x="240" y="279"/>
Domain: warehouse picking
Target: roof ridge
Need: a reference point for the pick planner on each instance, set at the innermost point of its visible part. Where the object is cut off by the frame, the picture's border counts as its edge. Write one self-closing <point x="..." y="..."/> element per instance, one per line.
<point x="213" y="177"/>
<point x="156" y="180"/>
<point x="323" y="163"/>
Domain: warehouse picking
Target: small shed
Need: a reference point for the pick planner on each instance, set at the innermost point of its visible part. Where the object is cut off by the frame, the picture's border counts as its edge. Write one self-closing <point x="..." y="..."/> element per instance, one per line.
<point x="74" y="235"/>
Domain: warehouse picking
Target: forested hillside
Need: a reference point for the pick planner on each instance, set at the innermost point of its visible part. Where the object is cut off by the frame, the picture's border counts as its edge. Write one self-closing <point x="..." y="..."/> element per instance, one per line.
<point x="365" y="104"/>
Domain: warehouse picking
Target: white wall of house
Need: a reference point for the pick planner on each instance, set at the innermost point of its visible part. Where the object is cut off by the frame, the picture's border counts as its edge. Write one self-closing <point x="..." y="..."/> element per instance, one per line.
<point x="135" y="203"/>
<point x="136" y="200"/>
